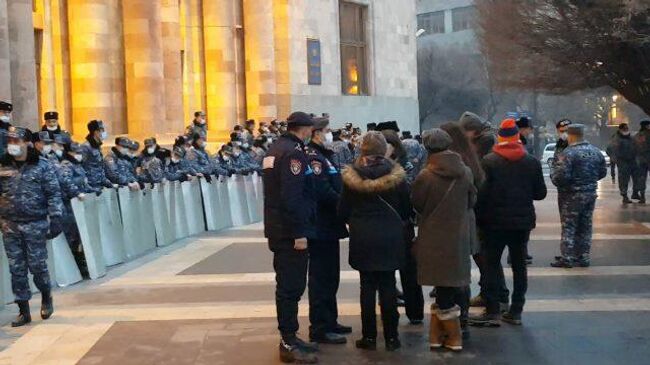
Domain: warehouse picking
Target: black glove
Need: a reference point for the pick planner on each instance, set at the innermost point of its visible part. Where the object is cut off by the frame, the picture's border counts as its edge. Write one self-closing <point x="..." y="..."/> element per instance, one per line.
<point x="208" y="179"/>
<point x="183" y="178"/>
<point x="56" y="227"/>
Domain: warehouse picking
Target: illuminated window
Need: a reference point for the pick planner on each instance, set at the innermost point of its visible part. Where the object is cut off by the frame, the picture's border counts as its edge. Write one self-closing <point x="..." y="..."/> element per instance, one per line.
<point x="463" y="18"/>
<point x="352" y="18"/>
<point x="432" y="22"/>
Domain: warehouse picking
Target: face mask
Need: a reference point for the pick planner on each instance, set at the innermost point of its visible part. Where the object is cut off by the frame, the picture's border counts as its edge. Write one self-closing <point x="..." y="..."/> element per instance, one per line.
<point x="125" y="151"/>
<point x="52" y="129"/>
<point x="226" y="158"/>
<point x="329" y="138"/>
<point x="245" y="145"/>
<point x="14" y="150"/>
<point x="625" y="133"/>
<point x="175" y="160"/>
<point x="236" y="143"/>
<point x="5" y="118"/>
<point x="564" y="136"/>
<point x="103" y="135"/>
<point x="47" y="149"/>
<point x="58" y="153"/>
<point x="78" y="157"/>
<point x="203" y="144"/>
<point x="236" y="154"/>
<point x="151" y="150"/>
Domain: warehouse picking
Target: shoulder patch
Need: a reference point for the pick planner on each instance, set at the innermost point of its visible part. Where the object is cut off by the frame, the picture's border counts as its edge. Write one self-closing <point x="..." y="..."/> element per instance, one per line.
<point x="317" y="166"/>
<point x="295" y="166"/>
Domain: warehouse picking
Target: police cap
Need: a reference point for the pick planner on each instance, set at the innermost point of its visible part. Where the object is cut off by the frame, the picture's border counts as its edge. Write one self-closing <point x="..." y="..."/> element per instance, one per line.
<point x="300" y="119"/>
<point x="95" y="125"/>
<point x="123" y="142"/>
<point x="150" y="142"/>
<point x="62" y="138"/>
<point x="42" y="137"/>
<point x="51" y="115"/>
<point x="563" y="123"/>
<point x="387" y="126"/>
<point x="6" y="106"/>
<point x="20" y="133"/>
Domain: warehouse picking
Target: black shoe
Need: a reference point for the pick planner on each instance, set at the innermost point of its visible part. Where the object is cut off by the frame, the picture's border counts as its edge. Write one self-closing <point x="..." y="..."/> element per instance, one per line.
<point x="642" y="200"/>
<point x="626" y="200"/>
<point x="24" y="316"/>
<point x="341" y="329"/>
<point x="511" y="318"/>
<point x="366" y="344"/>
<point x="47" y="306"/>
<point x="504" y="307"/>
<point x="416" y="322"/>
<point x="635" y="196"/>
<point x="295" y="354"/>
<point x="562" y="263"/>
<point x="393" y="344"/>
<point x="329" y="338"/>
<point x="432" y="293"/>
<point x="306" y="346"/>
<point x="401" y="302"/>
<point x="583" y="263"/>
<point x="485" y="320"/>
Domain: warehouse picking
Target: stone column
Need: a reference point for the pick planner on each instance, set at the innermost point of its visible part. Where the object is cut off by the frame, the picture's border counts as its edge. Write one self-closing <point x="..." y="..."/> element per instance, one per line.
<point x="5" y="68"/>
<point x="47" y="82"/>
<point x="171" y="38"/>
<point x="282" y="44"/>
<point x="61" y="60"/>
<point x="240" y="60"/>
<point x="220" y="71"/>
<point x="95" y="81"/>
<point x="260" y="60"/>
<point x="194" y="63"/>
<point x="22" y="63"/>
<point x="143" y="58"/>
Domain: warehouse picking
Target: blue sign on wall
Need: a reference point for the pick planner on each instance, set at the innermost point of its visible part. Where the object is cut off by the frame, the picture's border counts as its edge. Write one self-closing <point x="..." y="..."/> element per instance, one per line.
<point x="313" y="62"/>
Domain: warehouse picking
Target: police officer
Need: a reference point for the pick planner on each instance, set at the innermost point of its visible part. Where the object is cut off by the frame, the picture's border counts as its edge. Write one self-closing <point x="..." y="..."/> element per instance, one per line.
<point x="93" y="160"/>
<point x="342" y="153"/>
<point x="198" y="125"/>
<point x="177" y="167"/>
<point x="576" y="175"/>
<point x="51" y="125"/>
<point x="561" y="128"/>
<point x="43" y="144"/>
<point x="642" y="142"/>
<point x="415" y="153"/>
<point x="150" y="167"/>
<point x="30" y="194"/>
<point x="5" y="122"/>
<point x="622" y="146"/>
<point x="119" y="168"/>
<point x="288" y="218"/>
<point x="324" y="249"/>
<point x="202" y="163"/>
<point x="525" y="126"/>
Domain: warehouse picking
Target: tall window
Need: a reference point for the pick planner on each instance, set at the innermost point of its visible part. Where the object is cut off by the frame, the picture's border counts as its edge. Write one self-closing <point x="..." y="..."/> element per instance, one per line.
<point x="463" y="18"/>
<point x="352" y="19"/>
<point x="432" y="22"/>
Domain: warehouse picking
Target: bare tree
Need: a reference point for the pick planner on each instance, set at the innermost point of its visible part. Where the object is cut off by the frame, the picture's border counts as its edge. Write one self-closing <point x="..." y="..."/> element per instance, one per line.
<point x="560" y="46"/>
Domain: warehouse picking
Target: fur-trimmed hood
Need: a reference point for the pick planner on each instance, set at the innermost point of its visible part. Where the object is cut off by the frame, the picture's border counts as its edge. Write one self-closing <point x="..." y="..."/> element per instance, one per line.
<point x="375" y="177"/>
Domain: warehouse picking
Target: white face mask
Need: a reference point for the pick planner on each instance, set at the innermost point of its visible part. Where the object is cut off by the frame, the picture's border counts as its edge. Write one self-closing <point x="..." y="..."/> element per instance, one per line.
<point x="52" y="129"/>
<point x="14" y="150"/>
<point x="5" y="118"/>
<point x="236" y="143"/>
<point x="564" y="136"/>
<point x="151" y="150"/>
<point x="245" y="145"/>
<point x="226" y="158"/>
<point x="329" y="138"/>
<point x="175" y="159"/>
<point x="47" y="149"/>
<point x="625" y="133"/>
<point x="103" y="135"/>
<point x="125" y="151"/>
<point x="58" y="153"/>
<point x="78" y="157"/>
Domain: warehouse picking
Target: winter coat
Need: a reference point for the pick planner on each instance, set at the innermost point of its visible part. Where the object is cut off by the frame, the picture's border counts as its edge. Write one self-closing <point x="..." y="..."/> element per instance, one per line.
<point x="484" y="142"/>
<point x="642" y="143"/>
<point x="119" y="168"/>
<point x="513" y="179"/>
<point x="197" y="128"/>
<point x="623" y="148"/>
<point x="93" y="163"/>
<point x="152" y="170"/>
<point x="578" y="169"/>
<point x="342" y="154"/>
<point x="376" y="205"/>
<point x="416" y="155"/>
<point x="442" y="248"/>
<point x="72" y="179"/>
<point x="29" y="191"/>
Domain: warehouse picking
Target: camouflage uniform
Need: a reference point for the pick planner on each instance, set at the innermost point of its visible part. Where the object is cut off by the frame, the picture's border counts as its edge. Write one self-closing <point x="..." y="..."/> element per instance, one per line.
<point x="29" y="195"/>
<point x="119" y="168"/>
<point x="417" y="156"/>
<point x="93" y="163"/>
<point x="201" y="160"/>
<point x="152" y="170"/>
<point x="178" y="171"/>
<point x="197" y="128"/>
<point x="576" y="173"/>
<point x="342" y="154"/>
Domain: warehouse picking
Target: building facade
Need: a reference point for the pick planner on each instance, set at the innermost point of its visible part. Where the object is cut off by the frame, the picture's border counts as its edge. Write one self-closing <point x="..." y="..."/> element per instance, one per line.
<point x="447" y="24"/>
<point x="144" y="66"/>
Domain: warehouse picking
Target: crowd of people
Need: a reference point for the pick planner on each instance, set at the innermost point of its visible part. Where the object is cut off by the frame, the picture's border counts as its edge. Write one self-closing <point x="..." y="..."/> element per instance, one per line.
<point x="468" y="188"/>
<point x="631" y="154"/>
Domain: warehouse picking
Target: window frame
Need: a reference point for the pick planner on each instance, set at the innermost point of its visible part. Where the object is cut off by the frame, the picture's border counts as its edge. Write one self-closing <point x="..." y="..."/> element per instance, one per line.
<point x="359" y="44"/>
<point x="468" y="24"/>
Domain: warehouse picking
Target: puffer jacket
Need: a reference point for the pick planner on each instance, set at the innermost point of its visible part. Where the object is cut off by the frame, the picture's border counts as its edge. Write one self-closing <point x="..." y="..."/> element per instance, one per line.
<point x="93" y="163"/>
<point x="578" y="169"/>
<point x="119" y="168"/>
<point x="73" y="180"/>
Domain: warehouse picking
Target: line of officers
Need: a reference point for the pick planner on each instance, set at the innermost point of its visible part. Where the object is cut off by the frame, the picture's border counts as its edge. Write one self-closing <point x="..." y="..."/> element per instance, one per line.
<point x="41" y="172"/>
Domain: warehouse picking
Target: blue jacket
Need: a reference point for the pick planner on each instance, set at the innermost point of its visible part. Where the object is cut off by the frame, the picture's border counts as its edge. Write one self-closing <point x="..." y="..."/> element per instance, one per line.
<point x="93" y="163"/>
<point x="578" y="168"/>
<point x="119" y="168"/>
<point x="29" y="191"/>
<point x="72" y="179"/>
<point x="178" y="171"/>
<point x="152" y="168"/>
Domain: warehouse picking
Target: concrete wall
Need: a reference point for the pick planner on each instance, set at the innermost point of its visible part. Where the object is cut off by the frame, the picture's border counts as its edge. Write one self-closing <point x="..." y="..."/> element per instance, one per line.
<point x="392" y="68"/>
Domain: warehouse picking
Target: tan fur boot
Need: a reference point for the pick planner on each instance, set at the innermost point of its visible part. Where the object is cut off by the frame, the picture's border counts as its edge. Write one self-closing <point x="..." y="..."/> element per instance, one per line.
<point x="435" y="329"/>
<point x="451" y="326"/>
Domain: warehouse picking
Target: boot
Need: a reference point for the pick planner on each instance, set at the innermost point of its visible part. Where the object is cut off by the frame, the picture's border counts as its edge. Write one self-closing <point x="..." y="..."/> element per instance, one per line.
<point x="626" y="200"/>
<point x="451" y="327"/>
<point x="635" y="195"/>
<point x="292" y="353"/>
<point x="47" y="306"/>
<point x="435" y="329"/>
<point x="642" y="198"/>
<point x="24" y="317"/>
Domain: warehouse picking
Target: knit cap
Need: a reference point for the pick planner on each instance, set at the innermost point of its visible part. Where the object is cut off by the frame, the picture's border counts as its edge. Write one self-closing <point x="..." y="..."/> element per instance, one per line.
<point x="508" y="131"/>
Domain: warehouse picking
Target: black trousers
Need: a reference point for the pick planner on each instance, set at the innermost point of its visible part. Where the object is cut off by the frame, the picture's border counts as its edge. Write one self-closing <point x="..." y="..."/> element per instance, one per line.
<point x="324" y="278"/>
<point x="413" y="297"/>
<point x="446" y="296"/>
<point x="384" y="283"/>
<point x="290" y="267"/>
<point x="480" y="261"/>
<point x="495" y="242"/>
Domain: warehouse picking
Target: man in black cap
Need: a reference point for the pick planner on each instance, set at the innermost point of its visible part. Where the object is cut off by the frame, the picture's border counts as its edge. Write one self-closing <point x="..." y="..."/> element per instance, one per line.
<point x="624" y="151"/>
<point x="525" y="130"/>
<point x="371" y="126"/>
<point x="324" y="250"/>
<point x="5" y="122"/>
<point x="642" y="142"/>
<point x="198" y="125"/>
<point x="562" y="136"/>
<point x="93" y="160"/>
<point x="118" y="165"/>
<point x="387" y="126"/>
<point x="51" y="123"/>
<point x="43" y="144"/>
<point x="289" y="210"/>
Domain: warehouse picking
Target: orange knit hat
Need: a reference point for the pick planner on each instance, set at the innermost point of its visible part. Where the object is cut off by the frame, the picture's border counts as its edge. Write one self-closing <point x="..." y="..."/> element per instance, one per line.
<point x="508" y="131"/>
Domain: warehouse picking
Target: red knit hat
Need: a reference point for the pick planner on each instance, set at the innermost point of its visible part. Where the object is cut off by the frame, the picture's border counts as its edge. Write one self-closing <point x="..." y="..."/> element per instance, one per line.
<point x="508" y="131"/>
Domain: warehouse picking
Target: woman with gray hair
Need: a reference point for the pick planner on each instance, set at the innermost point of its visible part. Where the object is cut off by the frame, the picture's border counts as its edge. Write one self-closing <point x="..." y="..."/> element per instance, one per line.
<point x="443" y="195"/>
<point x="375" y="203"/>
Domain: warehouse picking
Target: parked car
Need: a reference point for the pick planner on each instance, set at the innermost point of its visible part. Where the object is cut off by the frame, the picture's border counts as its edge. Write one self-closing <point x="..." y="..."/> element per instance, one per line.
<point x="549" y="150"/>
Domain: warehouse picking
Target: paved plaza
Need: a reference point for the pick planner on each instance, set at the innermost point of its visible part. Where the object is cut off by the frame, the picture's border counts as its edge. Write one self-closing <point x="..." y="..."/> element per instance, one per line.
<point x="210" y="300"/>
